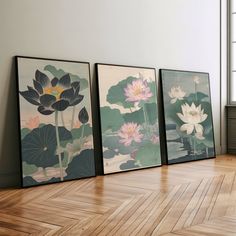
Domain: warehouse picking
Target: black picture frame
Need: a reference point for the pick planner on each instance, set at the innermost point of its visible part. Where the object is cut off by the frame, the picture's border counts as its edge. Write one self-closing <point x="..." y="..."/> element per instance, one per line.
<point x="52" y="87"/>
<point x="186" y="115"/>
<point x="119" y="74"/>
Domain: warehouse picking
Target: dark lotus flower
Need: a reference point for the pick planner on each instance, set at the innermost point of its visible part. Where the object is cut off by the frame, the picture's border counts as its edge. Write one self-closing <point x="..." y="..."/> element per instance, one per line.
<point x="83" y="116"/>
<point x="57" y="94"/>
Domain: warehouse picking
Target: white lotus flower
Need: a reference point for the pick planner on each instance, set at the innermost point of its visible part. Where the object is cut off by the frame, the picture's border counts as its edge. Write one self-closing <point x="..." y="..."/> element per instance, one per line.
<point x="176" y="93"/>
<point x="192" y="116"/>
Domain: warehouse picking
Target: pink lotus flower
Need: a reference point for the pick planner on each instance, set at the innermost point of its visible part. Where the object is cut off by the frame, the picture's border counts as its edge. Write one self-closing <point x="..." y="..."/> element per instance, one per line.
<point x="32" y="123"/>
<point x="130" y="132"/>
<point x="137" y="91"/>
<point x="77" y="124"/>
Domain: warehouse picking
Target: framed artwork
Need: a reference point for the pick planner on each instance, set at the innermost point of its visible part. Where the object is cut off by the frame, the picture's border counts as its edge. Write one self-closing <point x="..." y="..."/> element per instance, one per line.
<point x="55" y="120"/>
<point x="128" y="117"/>
<point x="187" y="115"/>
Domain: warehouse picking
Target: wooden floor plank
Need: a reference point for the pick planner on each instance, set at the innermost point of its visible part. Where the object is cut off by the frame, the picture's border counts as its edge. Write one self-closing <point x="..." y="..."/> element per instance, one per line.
<point x="189" y="199"/>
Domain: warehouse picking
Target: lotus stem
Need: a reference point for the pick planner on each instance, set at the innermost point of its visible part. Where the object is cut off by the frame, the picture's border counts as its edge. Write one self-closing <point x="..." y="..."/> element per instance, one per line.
<point x="45" y="172"/>
<point x="145" y="118"/>
<point x="196" y="92"/>
<point x="58" y="145"/>
<point x="68" y="160"/>
<point x="73" y="117"/>
<point x="62" y="119"/>
<point x="82" y="135"/>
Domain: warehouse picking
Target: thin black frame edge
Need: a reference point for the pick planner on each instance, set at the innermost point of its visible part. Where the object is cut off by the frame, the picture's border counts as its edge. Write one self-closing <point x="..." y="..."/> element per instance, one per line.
<point x="100" y="126"/>
<point x="166" y="149"/>
<point x="19" y="123"/>
<point x="99" y="161"/>
<point x="19" y="119"/>
<point x="163" y="141"/>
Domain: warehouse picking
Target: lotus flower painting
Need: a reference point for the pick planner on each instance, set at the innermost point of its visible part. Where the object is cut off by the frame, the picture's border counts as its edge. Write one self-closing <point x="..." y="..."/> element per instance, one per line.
<point x="55" y="120"/>
<point x="188" y="115"/>
<point x="129" y="117"/>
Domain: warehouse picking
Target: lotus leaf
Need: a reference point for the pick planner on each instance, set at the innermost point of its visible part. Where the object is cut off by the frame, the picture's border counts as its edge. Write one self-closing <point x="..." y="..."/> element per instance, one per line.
<point x="39" y="146"/>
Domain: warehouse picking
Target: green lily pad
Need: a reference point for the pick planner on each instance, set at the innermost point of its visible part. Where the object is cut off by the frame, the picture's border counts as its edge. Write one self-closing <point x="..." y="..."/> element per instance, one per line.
<point x="148" y="155"/>
<point x="111" y="119"/>
<point x="81" y="166"/>
<point x="116" y="93"/>
<point x="28" y="169"/>
<point x="196" y="97"/>
<point x="24" y="132"/>
<point x="58" y="73"/>
<point x="39" y="146"/>
<point x="77" y="133"/>
<point x="138" y="116"/>
<point x="112" y="143"/>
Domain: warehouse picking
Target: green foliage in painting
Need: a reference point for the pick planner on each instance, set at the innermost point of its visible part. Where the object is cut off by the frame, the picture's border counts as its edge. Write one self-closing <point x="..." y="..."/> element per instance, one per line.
<point x="24" y="132"/>
<point x="115" y="93"/>
<point x="113" y="143"/>
<point x="82" y="131"/>
<point x="81" y="165"/>
<point x="148" y="155"/>
<point x="58" y="73"/>
<point x="29" y="169"/>
<point x="138" y="116"/>
<point x="197" y="97"/>
<point x="111" y="119"/>
<point x="39" y="146"/>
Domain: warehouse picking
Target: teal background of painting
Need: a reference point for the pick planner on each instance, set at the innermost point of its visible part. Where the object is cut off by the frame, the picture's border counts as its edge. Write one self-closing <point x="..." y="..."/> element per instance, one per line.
<point x="186" y="82"/>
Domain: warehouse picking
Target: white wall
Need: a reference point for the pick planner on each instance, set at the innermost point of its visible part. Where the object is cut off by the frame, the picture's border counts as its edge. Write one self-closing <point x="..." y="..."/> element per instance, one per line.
<point x="177" y="34"/>
<point x="224" y="74"/>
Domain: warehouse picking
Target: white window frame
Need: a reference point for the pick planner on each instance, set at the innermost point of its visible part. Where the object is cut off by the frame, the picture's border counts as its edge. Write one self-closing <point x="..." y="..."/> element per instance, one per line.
<point x="232" y="52"/>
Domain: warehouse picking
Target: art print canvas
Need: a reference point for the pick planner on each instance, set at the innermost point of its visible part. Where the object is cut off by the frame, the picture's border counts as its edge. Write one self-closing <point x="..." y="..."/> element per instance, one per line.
<point x="129" y="117"/>
<point x="55" y="120"/>
<point x="187" y="115"/>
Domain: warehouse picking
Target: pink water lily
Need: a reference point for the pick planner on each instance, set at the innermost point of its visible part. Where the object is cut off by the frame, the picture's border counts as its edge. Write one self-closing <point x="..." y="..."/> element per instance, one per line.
<point x="130" y="132"/>
<point x="192" y="116"/>
<point x="137" y="91"/>
<point x="32" y="123"/>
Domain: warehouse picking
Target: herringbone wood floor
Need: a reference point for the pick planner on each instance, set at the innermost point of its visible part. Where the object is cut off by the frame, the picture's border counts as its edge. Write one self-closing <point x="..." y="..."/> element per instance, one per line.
<point x="191" y="199"/>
